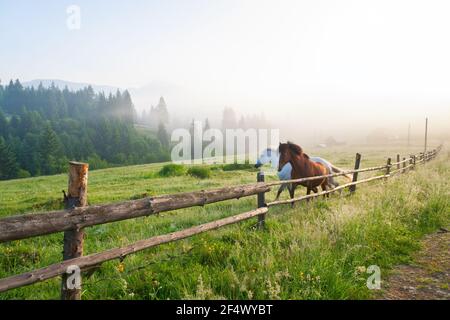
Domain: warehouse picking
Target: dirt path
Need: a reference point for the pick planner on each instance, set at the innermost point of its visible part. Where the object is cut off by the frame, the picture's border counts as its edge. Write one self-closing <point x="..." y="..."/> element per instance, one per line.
<point x="427" y="277"/>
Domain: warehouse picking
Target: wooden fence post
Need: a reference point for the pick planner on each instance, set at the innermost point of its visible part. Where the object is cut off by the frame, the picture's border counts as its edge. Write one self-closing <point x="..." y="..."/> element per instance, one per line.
<point x="355" y="174"/>
<point x="404" y="165"/>
<point x="261" y="201"/>
<point x="414" y="161"/>
<point x="73" y="239"/>
<point x="388" y="166"/>
<point x="398" y="160"/>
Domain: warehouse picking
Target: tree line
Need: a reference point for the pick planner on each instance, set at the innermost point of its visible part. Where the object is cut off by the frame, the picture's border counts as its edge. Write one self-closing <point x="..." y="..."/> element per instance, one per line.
<point x="42" y="128"/>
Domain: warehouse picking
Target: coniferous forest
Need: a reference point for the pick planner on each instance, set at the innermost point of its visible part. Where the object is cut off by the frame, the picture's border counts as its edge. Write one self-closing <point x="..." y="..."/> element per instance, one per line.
<point x="41" y="129"/>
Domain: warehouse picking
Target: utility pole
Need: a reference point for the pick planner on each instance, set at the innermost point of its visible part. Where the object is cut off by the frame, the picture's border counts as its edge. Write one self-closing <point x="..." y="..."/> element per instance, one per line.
<point x="426" y="135"/>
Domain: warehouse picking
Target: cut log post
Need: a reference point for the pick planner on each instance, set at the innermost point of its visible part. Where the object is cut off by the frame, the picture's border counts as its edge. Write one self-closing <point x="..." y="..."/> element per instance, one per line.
<point x="398" y="162"/>
<point x="261" y="201"/>
<point x="388" y="166"/>
<point x="73" y="239"/>
<point x="414" y="161"/>
<point x="355" y="174"/>
<point x="404" y="165"/>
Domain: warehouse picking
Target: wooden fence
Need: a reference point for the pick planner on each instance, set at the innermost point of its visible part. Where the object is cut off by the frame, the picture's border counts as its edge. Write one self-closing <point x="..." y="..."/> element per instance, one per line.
<point x="78" y="216"/>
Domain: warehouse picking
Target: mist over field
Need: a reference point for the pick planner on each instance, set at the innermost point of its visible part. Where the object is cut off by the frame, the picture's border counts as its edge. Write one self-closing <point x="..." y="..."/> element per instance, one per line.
<point x="224" y="150"/>
<point x="341" y="69"/>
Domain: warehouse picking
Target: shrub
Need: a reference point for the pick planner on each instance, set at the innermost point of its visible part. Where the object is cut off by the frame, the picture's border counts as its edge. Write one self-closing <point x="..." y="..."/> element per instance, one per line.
<point x="23" y="174"/>
<point x="172" y="170"/>
<point x="200" y="172"/>
<point x="237" y="166"/>
<point x="95" y="162"/>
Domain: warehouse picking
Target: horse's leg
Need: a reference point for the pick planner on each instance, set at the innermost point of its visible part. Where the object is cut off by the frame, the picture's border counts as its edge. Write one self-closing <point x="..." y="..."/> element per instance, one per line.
<point x="291" y="193"/>
<point x="324" y="186"/>
<point x="280" y="190"/>
<point x="308" y="192"/>
<point x="332" y="182"/>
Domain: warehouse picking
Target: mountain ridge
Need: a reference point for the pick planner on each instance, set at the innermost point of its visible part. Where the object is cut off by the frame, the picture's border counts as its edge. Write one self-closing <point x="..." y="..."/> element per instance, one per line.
<point x="71" y="85"/>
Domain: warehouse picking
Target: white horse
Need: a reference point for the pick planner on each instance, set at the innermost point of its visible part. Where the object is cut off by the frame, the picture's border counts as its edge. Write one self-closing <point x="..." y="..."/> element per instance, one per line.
<point x="271" y="155"/>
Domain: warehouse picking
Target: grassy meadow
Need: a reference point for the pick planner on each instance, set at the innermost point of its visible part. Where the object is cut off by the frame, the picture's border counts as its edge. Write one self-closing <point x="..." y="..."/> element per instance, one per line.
<point x="318" y="250"/>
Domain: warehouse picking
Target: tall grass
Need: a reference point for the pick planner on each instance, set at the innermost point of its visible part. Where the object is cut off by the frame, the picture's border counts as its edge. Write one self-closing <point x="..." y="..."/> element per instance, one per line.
<point x="318" y="250"/>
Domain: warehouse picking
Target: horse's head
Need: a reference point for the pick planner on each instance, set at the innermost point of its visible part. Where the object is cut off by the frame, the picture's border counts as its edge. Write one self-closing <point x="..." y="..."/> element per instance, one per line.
<point x="286" y="151"/>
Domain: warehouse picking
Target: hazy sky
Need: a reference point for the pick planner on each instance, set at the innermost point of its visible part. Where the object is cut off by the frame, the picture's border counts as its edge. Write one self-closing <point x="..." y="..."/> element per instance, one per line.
<point x="369" y="57"/>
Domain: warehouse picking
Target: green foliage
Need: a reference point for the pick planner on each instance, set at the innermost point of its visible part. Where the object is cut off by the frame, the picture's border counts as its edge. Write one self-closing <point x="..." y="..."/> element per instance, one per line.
<point x="3" y="125"/>
<point x="199" y="172"/>
<point x="172" y="170"/>
<point x="8" y="164"/>
<point x="95" y="162"/>
<point x="237" y="166"/>
<point x="23" y="174"/>
<point x="163" y="136"/>
<point x="51" y="150"/>
<point x="45" y="127"/>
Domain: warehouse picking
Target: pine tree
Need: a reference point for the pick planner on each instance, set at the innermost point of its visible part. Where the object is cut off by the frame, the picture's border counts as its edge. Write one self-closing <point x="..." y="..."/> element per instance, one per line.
<point x="2" y="90"/>
<point x="129" y="113"/>
<point x="163" y="136"/>
<point x="51" y="151"/>
<point x="207" y="126"/>
<point x="3" y="125"/>
<point x="29" y="157"/>
<point x="89" y="124"/>
<point x="229" y="119"/>
<point x="9" y="168"/>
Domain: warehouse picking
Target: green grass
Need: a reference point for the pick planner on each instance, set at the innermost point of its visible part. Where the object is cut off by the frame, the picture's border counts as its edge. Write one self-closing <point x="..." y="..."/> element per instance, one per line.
<point x="172" y="170"/>
<point x="317" y="250"/>
<point x="199" y="172"/>
<point x="237" y="166"/>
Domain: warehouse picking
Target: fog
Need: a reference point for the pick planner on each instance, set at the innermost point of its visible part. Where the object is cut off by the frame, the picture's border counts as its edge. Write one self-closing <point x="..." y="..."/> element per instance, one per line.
<point x="313" y="68"/>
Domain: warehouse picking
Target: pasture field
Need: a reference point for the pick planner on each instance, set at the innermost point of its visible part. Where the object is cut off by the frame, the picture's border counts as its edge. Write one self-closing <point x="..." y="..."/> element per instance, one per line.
<point x="318" y="250"/>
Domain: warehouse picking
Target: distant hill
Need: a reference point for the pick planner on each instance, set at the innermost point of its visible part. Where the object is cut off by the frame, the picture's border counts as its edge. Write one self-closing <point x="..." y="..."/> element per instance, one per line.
<point x="73" y="86"/>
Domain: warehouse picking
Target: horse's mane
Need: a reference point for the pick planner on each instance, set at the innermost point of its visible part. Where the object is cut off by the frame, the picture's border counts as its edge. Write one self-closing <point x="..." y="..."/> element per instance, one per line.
<point x="296" y="149"/>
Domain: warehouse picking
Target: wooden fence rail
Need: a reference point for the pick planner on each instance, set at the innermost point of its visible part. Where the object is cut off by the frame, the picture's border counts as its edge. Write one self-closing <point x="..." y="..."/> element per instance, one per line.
<point x="77" y="216"/>
<point x="315" y="195"/>
<point x="97" y="259"/>
<point x="32" y="225"/>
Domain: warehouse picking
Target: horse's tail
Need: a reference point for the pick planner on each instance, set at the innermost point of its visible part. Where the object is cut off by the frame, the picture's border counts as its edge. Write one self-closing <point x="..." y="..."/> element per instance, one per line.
<point x="338" y="170"/>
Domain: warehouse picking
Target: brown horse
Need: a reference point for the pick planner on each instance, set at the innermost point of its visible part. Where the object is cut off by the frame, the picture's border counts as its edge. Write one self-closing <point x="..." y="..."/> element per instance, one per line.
<point x="302" y="167"/>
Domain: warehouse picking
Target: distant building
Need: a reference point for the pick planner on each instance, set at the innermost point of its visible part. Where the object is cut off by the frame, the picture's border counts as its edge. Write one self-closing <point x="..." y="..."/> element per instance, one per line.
<point x="378" y="136"/>
<point x="331" y="142"/>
